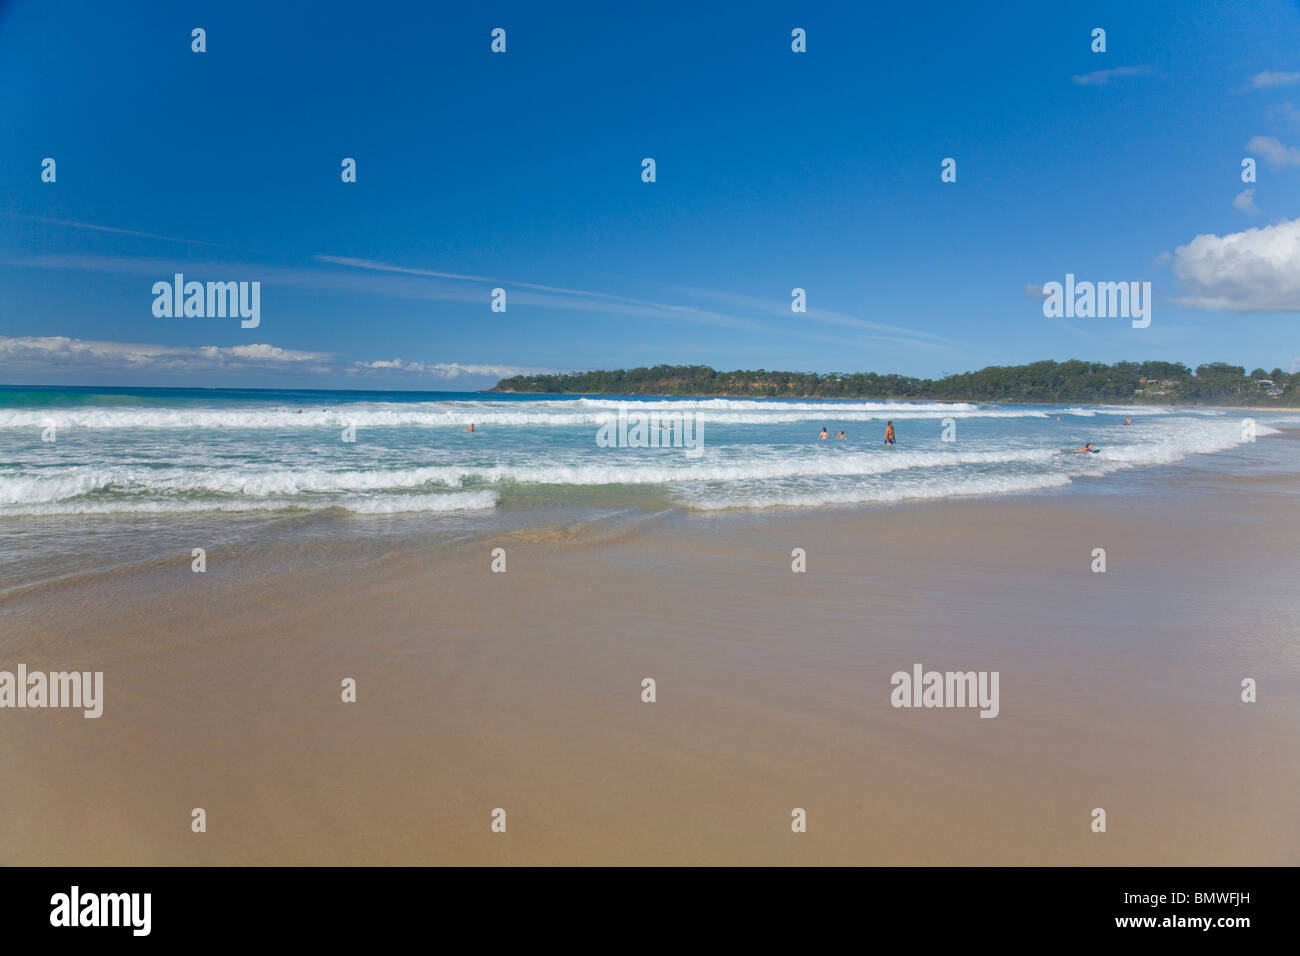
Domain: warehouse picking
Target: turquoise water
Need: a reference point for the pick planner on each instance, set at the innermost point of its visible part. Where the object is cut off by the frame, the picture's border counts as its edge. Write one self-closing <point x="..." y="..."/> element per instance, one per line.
<point x="113" y="465"/>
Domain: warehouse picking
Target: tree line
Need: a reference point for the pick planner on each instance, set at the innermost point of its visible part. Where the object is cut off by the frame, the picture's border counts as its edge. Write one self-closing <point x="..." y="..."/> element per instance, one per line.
<point x="1045" y="382"/>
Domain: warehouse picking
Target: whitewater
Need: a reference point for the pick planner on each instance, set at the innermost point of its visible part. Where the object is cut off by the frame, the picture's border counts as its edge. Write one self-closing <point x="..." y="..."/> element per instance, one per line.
<point x="173" y="451"/>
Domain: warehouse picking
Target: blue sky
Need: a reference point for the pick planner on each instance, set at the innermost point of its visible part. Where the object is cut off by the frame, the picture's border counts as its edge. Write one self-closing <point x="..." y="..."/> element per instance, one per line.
<point x="522" y="170"/>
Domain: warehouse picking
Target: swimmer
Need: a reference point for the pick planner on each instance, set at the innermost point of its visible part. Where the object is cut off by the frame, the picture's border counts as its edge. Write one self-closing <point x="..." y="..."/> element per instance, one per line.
<point x="471" y="427"/>
<point x="1128" y="421"/>
<point x="889" y="433"/>
<point x="824" y="435"/>
<point x="841" y="434"/>
<point x="1087" y="447"/>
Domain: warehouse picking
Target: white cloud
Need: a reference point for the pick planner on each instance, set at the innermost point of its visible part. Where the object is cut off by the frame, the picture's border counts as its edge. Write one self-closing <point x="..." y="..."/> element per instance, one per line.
<point x="444" y="370"/>
<point x="1272" y="149"/>
<point x="60" y="352"/>
<point x="1103" y="77"/>
<point x="267" y="353"/>
<point x="1245" y="201"/>
<point x="63" y="354"/>
<point x="1287" y="113"/>
<point x="1272" y="78"/>
<point x="1253" y="271"/>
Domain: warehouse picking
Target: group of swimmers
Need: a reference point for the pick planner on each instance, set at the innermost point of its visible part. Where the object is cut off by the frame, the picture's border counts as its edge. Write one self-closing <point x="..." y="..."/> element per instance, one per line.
<point x="889" y="434"/>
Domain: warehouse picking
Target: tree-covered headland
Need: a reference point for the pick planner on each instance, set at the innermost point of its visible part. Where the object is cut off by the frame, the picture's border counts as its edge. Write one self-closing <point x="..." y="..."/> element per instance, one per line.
<point x="1157" y="383"/>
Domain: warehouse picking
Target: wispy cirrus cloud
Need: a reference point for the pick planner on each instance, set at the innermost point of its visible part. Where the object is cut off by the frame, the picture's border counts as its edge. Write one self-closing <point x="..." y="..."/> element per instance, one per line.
<point x="456" y="286"/>
<point x="870" y="329"/>
<point x="113" y="229"/>
<point x="650" y="308"/>
<point x="344" y="275"/>
<point x="1287" y="113"/>
<point x="1270" y="78"/>
<point x="1103" y="77"/>
<point x="374" y="279"/>
<point x="368" y="279"/>
<point x="558" y="297"/>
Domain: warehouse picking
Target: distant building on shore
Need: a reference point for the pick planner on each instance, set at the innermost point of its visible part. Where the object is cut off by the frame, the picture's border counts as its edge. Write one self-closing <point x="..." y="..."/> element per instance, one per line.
<point x="1151" y="386"/>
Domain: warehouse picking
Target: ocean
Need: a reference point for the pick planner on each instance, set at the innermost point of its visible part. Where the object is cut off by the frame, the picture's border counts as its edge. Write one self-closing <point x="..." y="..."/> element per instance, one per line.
<point x="90" y="476"/>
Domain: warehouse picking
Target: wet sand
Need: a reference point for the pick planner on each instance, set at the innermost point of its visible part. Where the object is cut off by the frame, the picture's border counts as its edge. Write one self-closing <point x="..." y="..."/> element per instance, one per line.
<point x="522" y="690"/>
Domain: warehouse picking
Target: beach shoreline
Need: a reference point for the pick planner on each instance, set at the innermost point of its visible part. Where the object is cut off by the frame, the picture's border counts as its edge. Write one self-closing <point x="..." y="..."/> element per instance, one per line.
<point x="901" y="402"/>
<point x="522" y="690"/>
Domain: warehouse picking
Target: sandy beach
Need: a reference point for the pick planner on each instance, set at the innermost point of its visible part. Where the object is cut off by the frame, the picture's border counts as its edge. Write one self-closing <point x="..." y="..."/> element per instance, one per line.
<point x="522" y="691"/>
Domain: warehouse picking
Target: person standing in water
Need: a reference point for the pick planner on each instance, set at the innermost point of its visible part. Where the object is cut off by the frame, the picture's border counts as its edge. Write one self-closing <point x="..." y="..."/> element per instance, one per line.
<point x="824" y="433"/>
<point x="889" y="433"/>
<point x="471" y="427"/>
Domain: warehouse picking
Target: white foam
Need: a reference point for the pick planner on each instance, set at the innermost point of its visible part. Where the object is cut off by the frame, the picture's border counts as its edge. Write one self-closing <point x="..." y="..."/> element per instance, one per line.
<point x="399" y="504"/>
<point x="180" y="468"/>
<point x="391" y="504"/>
<point x="453" y="415"/>
<point x="612" y="467"/>
<point x="869" y="495"/>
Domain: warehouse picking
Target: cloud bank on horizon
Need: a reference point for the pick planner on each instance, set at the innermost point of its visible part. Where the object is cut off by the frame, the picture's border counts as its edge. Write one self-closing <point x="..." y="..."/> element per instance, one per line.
<point x="59" y="354"/>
